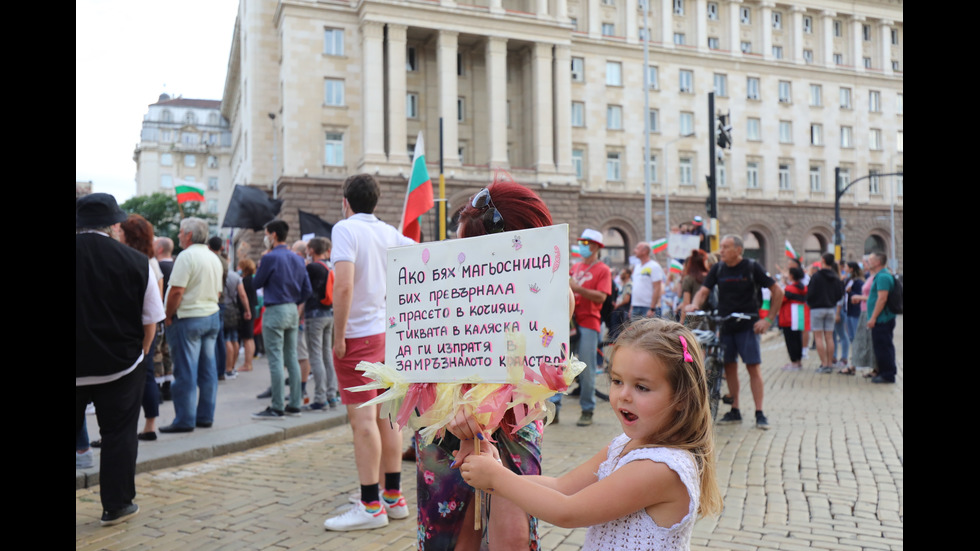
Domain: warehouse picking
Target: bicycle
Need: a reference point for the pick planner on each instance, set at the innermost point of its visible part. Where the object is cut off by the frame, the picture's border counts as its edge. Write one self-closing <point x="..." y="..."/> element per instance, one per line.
<point x="706" y="326"/>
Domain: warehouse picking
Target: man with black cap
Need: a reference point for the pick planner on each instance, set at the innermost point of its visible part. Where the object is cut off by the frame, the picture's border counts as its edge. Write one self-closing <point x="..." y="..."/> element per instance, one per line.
<point x="117" y="307"/>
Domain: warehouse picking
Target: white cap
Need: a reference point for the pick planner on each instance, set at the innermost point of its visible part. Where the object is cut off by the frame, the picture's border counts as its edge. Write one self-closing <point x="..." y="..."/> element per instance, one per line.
<point x="593" y="236"/>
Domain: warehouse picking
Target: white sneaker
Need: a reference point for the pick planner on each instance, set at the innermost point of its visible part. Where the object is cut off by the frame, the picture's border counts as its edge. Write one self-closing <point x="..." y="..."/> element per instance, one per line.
<point x="397" y="511"/>
<point x="357" y="518"/>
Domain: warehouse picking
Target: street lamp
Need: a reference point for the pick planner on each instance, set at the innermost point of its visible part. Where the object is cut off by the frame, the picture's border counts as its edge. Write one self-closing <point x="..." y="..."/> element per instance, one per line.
<point x="275" y="159"/>
<point x="667" y="180"/>
<point x="838" y="193"/>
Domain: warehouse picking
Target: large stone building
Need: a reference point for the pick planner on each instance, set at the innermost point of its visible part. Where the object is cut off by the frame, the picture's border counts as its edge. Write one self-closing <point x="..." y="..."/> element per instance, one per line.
<point x="553" y="91"/>
<point x="185" y="140"/>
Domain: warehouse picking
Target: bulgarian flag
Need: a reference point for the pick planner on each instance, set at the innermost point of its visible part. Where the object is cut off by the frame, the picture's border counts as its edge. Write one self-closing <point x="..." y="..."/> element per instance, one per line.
<point x="799" y="318"/>
<point x="676" y="267"/>
<point x="659" y="245"/>
<point x="188" y="191"/>
<point x="418" y="199"/>
<point x="790" y="252"/>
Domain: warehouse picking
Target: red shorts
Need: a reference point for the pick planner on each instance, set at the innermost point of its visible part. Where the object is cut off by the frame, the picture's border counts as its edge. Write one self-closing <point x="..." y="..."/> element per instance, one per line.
<point x="360" y="349"/>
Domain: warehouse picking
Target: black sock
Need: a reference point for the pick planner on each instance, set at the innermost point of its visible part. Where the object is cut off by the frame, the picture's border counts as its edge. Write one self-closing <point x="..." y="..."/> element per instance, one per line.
<point x="393" y="481"/>
<point x="369" y="493"/>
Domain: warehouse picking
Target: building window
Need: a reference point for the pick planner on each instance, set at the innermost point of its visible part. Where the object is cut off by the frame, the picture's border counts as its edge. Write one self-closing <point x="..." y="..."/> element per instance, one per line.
<point x="212" y="206"/>
<point x="166" y="116"/>
<point x="190" y="117"/>
<point x="721" y="173"/>
<point x="166" y="180"/>
<point x="678" y="7"/>
<point x="816" y="95"/>
<point x="190" y="161"/>
<point x="874" y="101"/>
<point x="900" y="141"/>
<point x="212" y="161"/>
<point x="460" y="109"/>
<point x="815" y="179"/>
<point x="652" y="164"/>
<point x="578" y="114"/>
<point x="867" y="63"/>
<point x="752" y="131"/>
<point x="189" y="138"/>
<point x="608" y="29"/>
<point x="333" y="151"/>
<point x="652" y="77"/>
<point x="894" y="37"/>
<point x="713" y="11"/>
<point x="212" y="183"/>
<point x="574" y="21"/>
<point x="894" y="65"/>
<point x="838" y="28"/>
<point x="654" y="119"/>
<point x="838" y="59"/>
<point x="777" y="52"/>
<point x="900" y="104"/>
<point x="866" y="31"/>
<point x="777" y="20"/>
<point x="752" y="88"/>
<point x="614" y="73"/>
<point x="808" y="56"/>
<point x="752" y="175"/>
<point x="613" y="168"/>
<point x="578" y="163"/>
<point x="785" y="92"/>
<point x="874" y="139"/>
<point x="845" y="178"/>
<point x="578" y="69"/>
<point x="166" y="159"/>
<point x="746" y="47"/>
<point x="900" y="183"/>
<point x="614" y="117"/>
<point x="679" y="39"/>
<point x="845" y="98"/>
<point x="816" y="134"/>
<point x="411" y="59"/>
<point x="333" y="91"/>
<point x="461" y="152"/>
<point x="785" y="132"/>
<point x="784" y="178"/>
<point x="745" y="15"/>
<point x="713" y="43"/>
<point x="333" y="42"/>
<point x="687" y="123"/>
<point x="687" y="171"/>
<point x="721" y="85"/>
<point x="686" y="80"/>
<point x="807" y="24"/>
<point x="845" y="137"/>
<point x="459" y="64"/>
<point x="874" y="182"/>
<point x="412" y="105"/>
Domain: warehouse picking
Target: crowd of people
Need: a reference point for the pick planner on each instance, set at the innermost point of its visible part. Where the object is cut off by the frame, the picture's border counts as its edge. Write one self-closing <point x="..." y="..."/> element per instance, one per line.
<point x="319" y="307"/>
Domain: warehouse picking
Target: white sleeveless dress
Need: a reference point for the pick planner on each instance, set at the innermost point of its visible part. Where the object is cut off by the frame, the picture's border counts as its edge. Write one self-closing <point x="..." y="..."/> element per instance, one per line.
<point x="637" y="531"/>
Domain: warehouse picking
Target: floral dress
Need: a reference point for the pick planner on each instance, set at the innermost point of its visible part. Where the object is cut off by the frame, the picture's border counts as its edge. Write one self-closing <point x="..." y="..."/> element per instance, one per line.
<point x="443" y="495"/>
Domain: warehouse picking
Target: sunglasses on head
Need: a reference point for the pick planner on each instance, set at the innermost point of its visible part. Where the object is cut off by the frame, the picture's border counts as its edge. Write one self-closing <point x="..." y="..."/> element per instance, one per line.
<point x="493" y="221"/>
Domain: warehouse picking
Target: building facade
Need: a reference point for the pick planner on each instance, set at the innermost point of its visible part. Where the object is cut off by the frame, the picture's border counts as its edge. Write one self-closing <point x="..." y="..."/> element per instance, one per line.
<point x="185" y="140"/>
<point x="554" y="92"/>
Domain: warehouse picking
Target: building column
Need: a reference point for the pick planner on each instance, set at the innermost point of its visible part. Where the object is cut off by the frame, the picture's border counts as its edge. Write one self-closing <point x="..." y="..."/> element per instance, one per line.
<point x="563" y="108"/>
<point x="827" y="19"/>
<point x="766" y="29"/>
<point x="701" y="24"/>
<point x="857" y="42"/>
<point x="496" y="6"/>
<point x="595" y="25"/>
<point x="446" y="47"/>
<point x="796" y="13"/>
<point x="496" y="66"/>
<point x="632" y="27"/>
<point x="372" y="86"/>
<point x="541" y="8"/>
<point x="561" y="9"/>
<point x="397" y="139"/>
<point x="734" y="36"/>
<point x="542" y="149"/>
<point x="666" y="23"/>
<point x="885" y="39"/>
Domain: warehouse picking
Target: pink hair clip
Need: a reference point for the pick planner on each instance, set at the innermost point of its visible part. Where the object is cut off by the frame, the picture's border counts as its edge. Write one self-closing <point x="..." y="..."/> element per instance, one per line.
<point x="687" y="355"/>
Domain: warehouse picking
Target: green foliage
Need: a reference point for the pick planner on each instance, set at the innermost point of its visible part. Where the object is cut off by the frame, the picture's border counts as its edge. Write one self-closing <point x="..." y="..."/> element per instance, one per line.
<point x="163" y="212"/>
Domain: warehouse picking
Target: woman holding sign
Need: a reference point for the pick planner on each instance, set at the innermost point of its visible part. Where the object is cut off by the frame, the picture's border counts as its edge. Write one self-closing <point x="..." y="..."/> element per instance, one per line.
<point x="446" y="504"/>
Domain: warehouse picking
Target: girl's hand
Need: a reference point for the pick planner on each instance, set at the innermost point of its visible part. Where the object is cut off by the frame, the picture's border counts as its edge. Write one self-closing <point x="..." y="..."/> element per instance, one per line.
<point x="479" y="470"/>
<point x="466" y="448"/>
<point x="464" y="426"/>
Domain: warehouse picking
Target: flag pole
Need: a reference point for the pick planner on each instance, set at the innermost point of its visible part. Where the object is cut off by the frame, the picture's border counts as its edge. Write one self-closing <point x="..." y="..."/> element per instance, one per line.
<point x="441" y="222"/>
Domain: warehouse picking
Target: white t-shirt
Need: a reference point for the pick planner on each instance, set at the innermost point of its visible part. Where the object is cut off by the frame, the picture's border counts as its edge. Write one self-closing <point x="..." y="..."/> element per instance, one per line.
<point x="365" y="240"/>
<point x="644" y="276"/>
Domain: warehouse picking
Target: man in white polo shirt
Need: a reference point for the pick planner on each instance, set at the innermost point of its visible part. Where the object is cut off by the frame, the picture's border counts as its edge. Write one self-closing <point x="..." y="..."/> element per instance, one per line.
<point x="360" y="245"/>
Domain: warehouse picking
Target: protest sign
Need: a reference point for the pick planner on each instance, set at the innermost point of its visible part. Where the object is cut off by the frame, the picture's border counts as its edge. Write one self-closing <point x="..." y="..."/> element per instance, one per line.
<point x="456" y="309"/>
<point x="680" y="245"/>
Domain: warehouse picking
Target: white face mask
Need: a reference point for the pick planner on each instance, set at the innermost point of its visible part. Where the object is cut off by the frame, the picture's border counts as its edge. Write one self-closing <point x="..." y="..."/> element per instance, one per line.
<point x="266" y="241"/>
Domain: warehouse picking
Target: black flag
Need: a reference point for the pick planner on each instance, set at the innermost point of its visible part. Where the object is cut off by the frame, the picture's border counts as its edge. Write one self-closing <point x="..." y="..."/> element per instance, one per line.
<point x="311" y="223"/>
<point x="250" y="207"/>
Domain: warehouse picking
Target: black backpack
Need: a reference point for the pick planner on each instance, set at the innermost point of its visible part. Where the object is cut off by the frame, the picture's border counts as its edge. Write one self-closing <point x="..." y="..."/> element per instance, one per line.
<point x="896" y="297"/>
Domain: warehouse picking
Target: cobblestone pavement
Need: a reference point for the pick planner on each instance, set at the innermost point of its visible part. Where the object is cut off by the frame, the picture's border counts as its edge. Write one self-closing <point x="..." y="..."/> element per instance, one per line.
<point x="828" y="475"/>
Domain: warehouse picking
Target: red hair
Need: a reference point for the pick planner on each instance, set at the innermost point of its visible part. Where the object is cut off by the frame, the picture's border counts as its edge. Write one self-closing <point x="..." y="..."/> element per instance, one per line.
<point x="139" y="234"/>
<point x="696" y="265"/>
<point x="520" y="208"/>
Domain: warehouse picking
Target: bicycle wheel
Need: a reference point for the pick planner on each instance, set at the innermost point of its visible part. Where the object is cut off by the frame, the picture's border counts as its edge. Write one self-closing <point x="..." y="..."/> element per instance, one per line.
<point x="712" y="369"/>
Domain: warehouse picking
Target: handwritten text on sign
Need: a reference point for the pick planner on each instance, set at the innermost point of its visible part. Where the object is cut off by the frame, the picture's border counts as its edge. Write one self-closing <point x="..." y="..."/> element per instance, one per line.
<point x="451" y="303"/>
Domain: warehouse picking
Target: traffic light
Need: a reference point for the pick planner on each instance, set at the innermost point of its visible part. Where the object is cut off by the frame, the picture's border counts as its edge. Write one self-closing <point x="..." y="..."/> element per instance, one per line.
<point x="724" y="132"/>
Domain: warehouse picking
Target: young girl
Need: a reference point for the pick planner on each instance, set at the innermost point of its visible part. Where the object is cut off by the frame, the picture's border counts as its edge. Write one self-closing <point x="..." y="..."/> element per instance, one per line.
<point x="646" y="488"/>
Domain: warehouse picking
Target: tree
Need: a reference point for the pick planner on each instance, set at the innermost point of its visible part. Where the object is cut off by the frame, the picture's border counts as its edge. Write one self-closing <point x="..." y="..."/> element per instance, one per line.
<point x="163" y="212"/>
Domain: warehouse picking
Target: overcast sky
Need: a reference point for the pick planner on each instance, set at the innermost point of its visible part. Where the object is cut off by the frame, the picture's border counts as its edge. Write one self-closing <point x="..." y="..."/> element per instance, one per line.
<point x="128" y="52"/>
